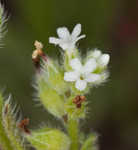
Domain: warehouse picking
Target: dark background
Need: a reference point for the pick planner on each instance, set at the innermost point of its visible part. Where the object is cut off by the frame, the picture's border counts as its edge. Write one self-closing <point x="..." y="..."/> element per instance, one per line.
<point x="110" y="25"/>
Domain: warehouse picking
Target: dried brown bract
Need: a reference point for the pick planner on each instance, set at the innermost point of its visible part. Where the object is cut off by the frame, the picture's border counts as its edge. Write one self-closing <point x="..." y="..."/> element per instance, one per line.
<point x="37" y="54"/>
<point x="23" y="125"/>
<point x="78" y="100"/>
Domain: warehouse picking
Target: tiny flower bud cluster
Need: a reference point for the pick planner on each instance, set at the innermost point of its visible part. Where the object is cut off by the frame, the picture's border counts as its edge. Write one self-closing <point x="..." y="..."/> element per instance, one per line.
<point x="76" y="76"/>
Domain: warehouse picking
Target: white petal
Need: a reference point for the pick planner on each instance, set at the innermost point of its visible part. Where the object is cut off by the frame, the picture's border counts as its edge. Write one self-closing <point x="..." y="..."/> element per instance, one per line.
<point x="80" y="37"/>
<point x="104" y="59"/>
<point x="93" y="77"/>
<point x="66" y="45"/>
<point x="81" y="84"/>
<point x="76" y="64"/>
<point x="96" y="53"/>
<point x="90" y="66"/>
<point x="54" y="40"/>
<point x="71" y="76"/>
<point x="63" y="33"/>
<point x="76" y="31"/>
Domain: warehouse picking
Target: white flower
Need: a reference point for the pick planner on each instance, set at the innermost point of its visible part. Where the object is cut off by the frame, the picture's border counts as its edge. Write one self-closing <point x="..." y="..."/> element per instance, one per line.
<point x="66" y="39"/>
<point x="102" y="59"/>
<point x="82" y="74"/>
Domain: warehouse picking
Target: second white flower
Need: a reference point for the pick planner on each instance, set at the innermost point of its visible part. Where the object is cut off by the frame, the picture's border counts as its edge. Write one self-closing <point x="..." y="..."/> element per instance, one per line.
<point x="82" y="74"/>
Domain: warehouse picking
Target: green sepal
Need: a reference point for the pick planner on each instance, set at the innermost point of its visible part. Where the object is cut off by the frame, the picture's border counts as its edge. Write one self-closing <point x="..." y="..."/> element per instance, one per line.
<point x="49" y="139"/>
<point x="50" y="99"/>
<point x="54" y="76"/>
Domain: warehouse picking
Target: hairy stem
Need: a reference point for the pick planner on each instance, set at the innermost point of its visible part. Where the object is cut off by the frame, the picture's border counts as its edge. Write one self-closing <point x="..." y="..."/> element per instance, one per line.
<point x="72" y="127"/>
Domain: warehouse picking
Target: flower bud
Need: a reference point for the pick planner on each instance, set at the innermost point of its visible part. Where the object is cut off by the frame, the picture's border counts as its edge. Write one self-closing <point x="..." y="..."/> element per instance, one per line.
<point x="104" y="60"/>
<point x="96" y="53"/>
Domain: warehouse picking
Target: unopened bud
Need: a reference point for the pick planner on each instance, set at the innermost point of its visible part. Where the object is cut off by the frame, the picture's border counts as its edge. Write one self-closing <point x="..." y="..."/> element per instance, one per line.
<point x="104" y="60"/>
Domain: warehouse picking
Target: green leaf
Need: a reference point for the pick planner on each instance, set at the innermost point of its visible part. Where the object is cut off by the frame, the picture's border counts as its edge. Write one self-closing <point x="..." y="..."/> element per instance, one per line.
<point x="49" y="139"/>
<point x="90" y="144"/>
<point x="4" y="141"/>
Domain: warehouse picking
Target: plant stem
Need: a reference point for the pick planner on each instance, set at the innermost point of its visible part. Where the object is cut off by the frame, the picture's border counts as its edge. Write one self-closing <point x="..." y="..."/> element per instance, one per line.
<point x="72" y="127"/>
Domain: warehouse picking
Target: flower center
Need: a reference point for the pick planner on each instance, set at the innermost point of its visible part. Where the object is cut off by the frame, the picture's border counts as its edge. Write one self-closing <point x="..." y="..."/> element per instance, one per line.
<point x="81" y="77"/>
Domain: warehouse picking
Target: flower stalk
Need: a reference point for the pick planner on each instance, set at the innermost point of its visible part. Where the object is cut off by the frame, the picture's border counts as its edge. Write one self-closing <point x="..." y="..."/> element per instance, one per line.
<point x="62" y="87"/>
<point x="73" y="131"/>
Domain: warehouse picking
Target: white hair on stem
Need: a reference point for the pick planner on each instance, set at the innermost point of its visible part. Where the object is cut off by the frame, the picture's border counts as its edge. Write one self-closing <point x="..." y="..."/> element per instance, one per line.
<point x="3" y="20"/>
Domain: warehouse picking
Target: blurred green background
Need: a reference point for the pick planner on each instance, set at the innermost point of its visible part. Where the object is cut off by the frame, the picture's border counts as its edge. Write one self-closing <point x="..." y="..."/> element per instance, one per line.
<point x="110" y="25"/>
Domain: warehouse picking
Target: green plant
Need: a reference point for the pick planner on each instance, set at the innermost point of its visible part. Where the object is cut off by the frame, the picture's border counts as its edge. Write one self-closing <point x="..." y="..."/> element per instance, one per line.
<point x="61" y="88"/>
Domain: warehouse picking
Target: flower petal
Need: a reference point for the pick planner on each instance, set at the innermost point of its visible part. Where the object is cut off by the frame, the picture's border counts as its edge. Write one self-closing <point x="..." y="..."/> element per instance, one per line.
<point x="66" y="45"/>
<point x="80" y="37"/>
<point x="104" y="60"/>
<point x="89" y="66"/>
<point x="93" y="77"/>
<point x="71" y="76"/>
<point x="63" y="33"/>
<point x="54" y="40"/>
<point x="76" y="31"/>
<point x="81" y="84"/>
<point x="76" y="64"/>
